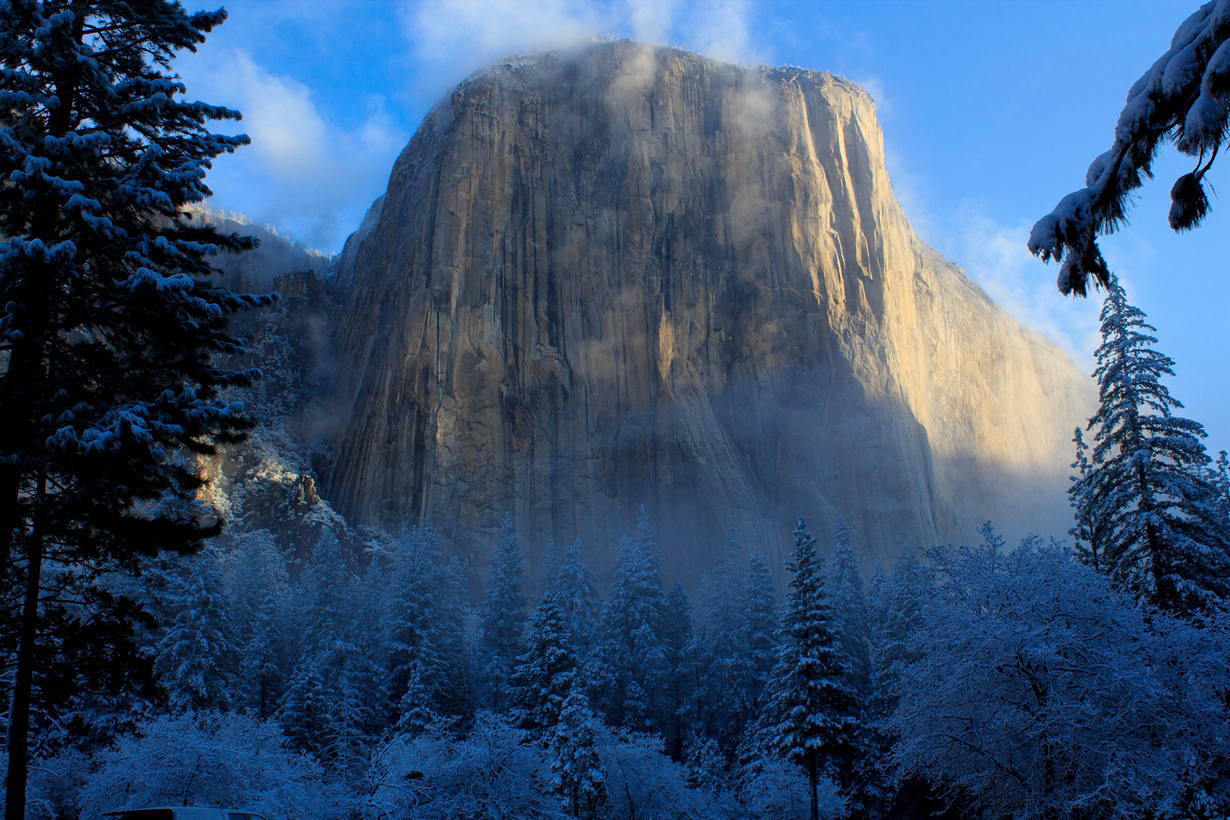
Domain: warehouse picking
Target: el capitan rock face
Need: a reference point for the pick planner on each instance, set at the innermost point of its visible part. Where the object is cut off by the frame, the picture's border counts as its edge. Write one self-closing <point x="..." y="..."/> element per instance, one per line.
<point x="634" y="275"/>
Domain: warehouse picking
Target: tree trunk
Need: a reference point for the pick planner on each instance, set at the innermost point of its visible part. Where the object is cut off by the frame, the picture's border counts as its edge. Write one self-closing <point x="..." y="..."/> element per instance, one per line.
<point x="23" y="683"/>
<point x="813" y="782"/>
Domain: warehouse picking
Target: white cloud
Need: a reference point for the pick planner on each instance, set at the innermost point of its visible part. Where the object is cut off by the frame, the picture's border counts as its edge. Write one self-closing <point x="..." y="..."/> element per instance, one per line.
<point x="723" y="30"/>
<point x="470" y="33"/>
<point x="310" y="177"/>
<point x="454" y="37"/>
<point x="652" y="21"/>
<point x="996" y="258"/>
<point x="287" y="132"/>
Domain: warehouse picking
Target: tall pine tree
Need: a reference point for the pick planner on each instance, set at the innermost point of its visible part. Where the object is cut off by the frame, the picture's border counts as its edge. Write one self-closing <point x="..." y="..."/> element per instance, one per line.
<point x="544" y="673"/>
<point x="719" y="654"/>
<point x="809" y="714"/>
<point x="575" y="591"/>
<point x="850" y="612"/>
<point x="503" y="617"/>
<point x="1142" y="499"/>
<point x="198" y="658"/>
<point x="630" y="664"/>
<point x="424" y="627"/>
<point x="110" y="327"/>
<point x="579" y="776"/>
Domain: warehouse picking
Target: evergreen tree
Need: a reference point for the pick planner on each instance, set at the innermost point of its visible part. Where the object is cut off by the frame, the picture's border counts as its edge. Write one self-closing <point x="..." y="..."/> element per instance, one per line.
<point x="424" y="628"/>
<point x="198" y="660"/>
<point x="850" y="612"/>
<point x="579" y="775"/>
<point x="366" y="667"/>
<point x="630" y="663"/>
<point x="544" y="674"/>
<point x="264" y="666"/>
<point x="110" y="326"/>
<point x="860" y="774"/>
<point x="809" y="713"/>
<point x="760" y="628"/>
<point x="1221" y="482"/>
<point x="1085" y="539"/>
<point x="575" y="591"/>
<point x="260" y="600"/>
<point x="905" y="594"/>
<point x="503" y="617"/>
<point x="1150" y="513"/>
<point x="719" y="653"/>
<point x="415" y="713"/>
<point x="551" y="566"/>
<point x="306" y="715"/>
<point x="680" y="681"/>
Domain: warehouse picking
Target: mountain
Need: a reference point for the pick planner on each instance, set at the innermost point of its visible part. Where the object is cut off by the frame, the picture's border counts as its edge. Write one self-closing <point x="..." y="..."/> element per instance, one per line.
<point x="631" y="275"/>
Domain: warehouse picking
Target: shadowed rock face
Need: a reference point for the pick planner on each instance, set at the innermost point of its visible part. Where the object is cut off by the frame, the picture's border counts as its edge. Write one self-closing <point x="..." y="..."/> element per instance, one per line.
<point x="633" y="275"/>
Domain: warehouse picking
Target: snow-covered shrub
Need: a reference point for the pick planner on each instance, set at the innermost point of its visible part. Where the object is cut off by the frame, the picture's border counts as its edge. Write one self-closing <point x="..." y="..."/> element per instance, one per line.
<point x="209" y="759"/>
<point x="55" y="785"/>
<point x="644" y="784"/>
<point x="775" y="789"/>
<point x="493" y="772"/>
<point x="1043" y="692"/>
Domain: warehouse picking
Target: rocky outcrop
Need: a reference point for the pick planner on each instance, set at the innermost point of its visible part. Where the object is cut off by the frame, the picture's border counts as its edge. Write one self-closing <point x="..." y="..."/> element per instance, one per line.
<point x="634" y="275"/>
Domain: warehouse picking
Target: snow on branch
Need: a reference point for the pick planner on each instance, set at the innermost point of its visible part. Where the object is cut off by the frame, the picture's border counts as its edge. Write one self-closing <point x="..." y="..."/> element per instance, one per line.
<point x="1183" y="97"/>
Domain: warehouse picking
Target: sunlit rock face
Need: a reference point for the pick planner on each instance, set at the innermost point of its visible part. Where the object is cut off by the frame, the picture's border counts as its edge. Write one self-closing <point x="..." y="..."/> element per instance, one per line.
<point x="634" y="275"/>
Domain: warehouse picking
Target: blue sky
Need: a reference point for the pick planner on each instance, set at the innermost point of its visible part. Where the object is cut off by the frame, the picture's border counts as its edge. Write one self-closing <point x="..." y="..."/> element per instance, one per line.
<point x="991" y="112"/>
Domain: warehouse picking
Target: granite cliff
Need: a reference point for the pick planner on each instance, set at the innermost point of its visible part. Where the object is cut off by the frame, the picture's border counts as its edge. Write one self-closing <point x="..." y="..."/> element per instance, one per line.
<point x="630" y="275"/>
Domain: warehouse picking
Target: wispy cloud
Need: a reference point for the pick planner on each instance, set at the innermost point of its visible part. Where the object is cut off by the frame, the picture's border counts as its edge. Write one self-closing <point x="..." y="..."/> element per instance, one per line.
<point x="305" y="174"/>
<point x="995" y="257"/>
<point x="652" y="21"/>
<point x="723" y="29"/>
<point x="453" y="37"/>
<point x="470" y="33"/>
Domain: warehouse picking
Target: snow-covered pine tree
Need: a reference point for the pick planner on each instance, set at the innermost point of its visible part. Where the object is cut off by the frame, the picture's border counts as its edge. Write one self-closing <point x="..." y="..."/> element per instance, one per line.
<point x="306" y="715"/>
<point x="630" y="660"/>
<point x="760" y="628"/>
<point x="1221" y="481"/>
<point x="110" y="325"/>
<point x="265" y="659"/>
<point x="721" y="703"/>
<point x="1143" y="497"/>
<point x="502" y="618"/>
<point x="551" y="566"/>
<point x="860" y="775"/>
<point x="415" y="713"/>
<point x="366" y="668"/>
<point x="680" y="681"/>
<point x="849" y="606"/>
<point x="1085" y="539"/>
<point x="198" y="657"/>
<point x="324" y="588"/>
<point x="809" y="710"/>
<point x="575" y="590"/>
<point x="260" y="600"/>
<point x="543" y="675"/>
<point x="579" y="776"/>
<point x="905" y="594"/>
<point x="425" y="629"/>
